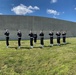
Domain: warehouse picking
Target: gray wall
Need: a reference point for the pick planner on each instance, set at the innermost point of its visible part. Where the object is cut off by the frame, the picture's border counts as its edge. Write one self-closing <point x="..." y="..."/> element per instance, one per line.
<point x="26" y="23"/>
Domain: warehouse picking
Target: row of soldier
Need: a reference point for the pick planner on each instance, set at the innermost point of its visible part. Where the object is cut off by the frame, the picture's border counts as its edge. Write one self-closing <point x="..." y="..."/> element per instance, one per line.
<point x="34" y="37"/>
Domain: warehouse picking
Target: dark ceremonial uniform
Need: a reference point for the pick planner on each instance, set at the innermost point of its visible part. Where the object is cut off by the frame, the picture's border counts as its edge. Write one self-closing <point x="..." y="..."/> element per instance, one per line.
<point x="51" y="37"/>
<point x="64" y="37"/>
<point x="35" y="38"/>
<point x="58" y="37"/>
<point x="7" y="37"/>
<point x="31" y="39"/>
<point x="19" y="34"/>
<point x="41" y="38"/>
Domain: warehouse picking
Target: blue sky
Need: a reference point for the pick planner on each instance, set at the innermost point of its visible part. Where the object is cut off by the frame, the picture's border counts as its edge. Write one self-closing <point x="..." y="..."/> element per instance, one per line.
<point x="59" y="9"/>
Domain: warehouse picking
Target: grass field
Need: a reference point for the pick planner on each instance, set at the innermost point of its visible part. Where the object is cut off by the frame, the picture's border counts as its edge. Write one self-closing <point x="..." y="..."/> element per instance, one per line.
<point x="56" y="60"/>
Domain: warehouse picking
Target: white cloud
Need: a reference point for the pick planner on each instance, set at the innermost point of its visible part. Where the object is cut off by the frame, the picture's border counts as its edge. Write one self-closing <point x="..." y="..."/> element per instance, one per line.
<point x="63" y="12"/>
<point x="53" y="1"/>
<point x="1" y="14"/>
<point x="34" y="8"/>
<point x="54" y="12"/>
<point x="75" y="8"/>
<point x="22" y="9"/>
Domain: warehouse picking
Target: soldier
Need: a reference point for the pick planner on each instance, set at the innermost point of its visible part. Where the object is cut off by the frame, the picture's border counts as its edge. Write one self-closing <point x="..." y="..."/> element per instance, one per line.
<point x="7" y="37"/>
<point x="19" y="34"/>
<point x="51" y="38"/>
<point x="31" y="39"/>
<point x="58" y="38"/>
<point x="64" y="37"/>
<point x="41" y="38"/>
<point x="35" y="37"/>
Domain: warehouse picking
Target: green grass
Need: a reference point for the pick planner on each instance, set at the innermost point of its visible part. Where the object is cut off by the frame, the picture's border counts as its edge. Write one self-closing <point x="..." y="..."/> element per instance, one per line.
<point x="56" y="60"/>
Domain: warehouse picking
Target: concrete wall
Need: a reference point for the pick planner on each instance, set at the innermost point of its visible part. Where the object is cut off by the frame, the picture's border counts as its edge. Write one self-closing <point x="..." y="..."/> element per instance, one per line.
<point x="26" y="23"/>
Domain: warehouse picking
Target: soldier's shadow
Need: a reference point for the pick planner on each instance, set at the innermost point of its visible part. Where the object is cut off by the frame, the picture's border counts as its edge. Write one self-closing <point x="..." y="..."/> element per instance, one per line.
<point x="39" y="46"/>
<point x="48" y="46"/>
<point x="29" y="47"/>
<point x="13" y="47"/>
<point x="65" y="44"/>
<point x="20" y="47"/>
<point x="25" y="48"/>
<point x="62" y="44"/>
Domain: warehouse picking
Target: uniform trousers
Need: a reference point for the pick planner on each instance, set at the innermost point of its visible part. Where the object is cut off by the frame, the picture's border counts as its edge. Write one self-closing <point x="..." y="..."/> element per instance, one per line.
<point x="31" y="41"/>
<point x="19" y="41"/>
<point x="35" y="39"/>
<point x="64" y="39"/>
<point x="7" y="41"/>
<point x="51" y="40"/>
<point x="58" y="40"/>
<point x="42" y="41"/>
